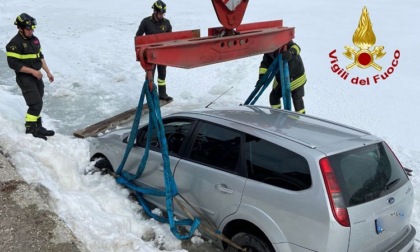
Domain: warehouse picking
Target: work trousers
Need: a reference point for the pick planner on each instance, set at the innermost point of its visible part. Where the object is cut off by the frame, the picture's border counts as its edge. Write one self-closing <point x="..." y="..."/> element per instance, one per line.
<point x="297" y="97"/>
<point x="32" y="91"/>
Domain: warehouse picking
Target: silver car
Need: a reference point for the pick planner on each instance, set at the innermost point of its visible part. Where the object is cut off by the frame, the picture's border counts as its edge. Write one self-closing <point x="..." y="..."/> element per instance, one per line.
<point x="274" y="180"/>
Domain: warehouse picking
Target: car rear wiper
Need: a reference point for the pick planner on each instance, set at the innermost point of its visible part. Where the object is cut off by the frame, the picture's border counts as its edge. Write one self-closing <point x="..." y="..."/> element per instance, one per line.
<point x="408" y="171"/>
<point x="391" y="184"/>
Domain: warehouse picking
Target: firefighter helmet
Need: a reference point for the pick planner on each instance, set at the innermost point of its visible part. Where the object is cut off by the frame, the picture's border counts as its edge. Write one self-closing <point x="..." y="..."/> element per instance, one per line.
<point x="159" y="6"/>
<point x="25" y="21"/>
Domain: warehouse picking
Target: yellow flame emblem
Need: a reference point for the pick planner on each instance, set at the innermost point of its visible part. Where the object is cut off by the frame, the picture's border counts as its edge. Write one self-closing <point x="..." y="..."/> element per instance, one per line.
<point x="364" y="38"/>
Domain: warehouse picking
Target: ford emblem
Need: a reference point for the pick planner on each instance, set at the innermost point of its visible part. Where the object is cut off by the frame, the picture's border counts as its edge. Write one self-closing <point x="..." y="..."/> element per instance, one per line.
<point x="391" y="200"/>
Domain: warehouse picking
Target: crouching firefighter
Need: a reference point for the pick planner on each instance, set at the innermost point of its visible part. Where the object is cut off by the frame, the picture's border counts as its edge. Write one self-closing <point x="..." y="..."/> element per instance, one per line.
<point x="25" y="57"/>
<point x="296" y="72"/>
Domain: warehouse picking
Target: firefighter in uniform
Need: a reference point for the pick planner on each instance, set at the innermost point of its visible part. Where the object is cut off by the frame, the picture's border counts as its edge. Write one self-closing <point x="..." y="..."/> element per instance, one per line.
<point x="154" y="24"/>
<point x="25" y="57"/>
<point x="297" y="76"/>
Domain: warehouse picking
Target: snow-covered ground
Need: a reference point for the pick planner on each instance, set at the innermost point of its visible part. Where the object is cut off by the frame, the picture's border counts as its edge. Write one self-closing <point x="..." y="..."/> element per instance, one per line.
<point x="89" y="47"/>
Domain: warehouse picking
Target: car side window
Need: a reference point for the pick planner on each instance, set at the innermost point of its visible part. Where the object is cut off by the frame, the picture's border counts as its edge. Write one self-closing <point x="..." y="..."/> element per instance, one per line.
<point x="275" y="165"/>
<point x="176" y="132"/>
<point x="216" y="146"/>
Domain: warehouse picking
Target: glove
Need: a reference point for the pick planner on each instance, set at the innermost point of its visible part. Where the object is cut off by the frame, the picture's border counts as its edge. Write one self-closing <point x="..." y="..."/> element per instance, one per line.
<point x="287" y="55"/>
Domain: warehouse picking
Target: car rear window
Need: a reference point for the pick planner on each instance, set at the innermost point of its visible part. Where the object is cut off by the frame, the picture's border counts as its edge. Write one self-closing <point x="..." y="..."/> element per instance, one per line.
<point x="367" y="173"/>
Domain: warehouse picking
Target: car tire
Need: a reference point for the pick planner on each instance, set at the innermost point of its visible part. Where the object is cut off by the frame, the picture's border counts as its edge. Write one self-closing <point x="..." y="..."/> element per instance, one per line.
<point x="104" y="166"/>
<point x="251" y="242"/>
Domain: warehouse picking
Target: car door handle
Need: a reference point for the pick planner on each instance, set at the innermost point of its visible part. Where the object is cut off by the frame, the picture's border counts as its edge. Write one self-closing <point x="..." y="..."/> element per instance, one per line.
<point x="224" y="188"/>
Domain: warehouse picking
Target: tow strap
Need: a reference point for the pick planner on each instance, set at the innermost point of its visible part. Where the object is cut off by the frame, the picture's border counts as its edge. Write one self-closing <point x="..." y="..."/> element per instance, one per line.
<point x="171" y="190"/>
<point x="278" y="65"/>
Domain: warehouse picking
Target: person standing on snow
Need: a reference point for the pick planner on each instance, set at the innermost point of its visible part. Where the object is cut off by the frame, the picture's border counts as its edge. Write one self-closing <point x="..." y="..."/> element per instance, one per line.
<point x="297" y="76"/>
<point x="154" y="24"/>
<point x="25" y="57"/>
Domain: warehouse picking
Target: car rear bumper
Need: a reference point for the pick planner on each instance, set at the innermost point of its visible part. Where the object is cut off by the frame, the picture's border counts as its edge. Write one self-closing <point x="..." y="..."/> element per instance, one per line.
<point x="407" y="243"/>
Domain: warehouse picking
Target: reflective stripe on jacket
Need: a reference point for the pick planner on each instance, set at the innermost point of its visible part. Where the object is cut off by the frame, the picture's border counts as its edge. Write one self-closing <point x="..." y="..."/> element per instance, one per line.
<point x="296" y="68"/>
<point x="21" y="51"/>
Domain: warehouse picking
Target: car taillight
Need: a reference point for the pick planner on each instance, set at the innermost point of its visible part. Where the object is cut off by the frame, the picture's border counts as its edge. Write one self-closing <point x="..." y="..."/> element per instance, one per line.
<point x="338" y="207"/>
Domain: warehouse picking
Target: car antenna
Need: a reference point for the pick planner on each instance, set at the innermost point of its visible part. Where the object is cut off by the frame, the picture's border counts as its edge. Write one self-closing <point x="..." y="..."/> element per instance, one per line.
<point x="219" y="97"/>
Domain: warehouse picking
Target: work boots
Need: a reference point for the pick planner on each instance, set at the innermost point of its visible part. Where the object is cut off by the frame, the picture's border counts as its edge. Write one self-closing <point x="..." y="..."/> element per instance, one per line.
<point x="32" y="128"/>
<point x="43" y="130"/>
<point x="162" y="93"/>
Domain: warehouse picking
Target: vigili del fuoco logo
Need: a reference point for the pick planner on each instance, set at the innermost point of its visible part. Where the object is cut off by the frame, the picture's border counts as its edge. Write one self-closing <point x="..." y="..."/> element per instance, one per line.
<point x="364" y="56"/>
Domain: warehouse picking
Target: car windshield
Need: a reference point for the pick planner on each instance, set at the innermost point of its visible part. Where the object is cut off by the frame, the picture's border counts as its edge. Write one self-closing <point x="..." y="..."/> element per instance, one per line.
<point x="367" y="173"/>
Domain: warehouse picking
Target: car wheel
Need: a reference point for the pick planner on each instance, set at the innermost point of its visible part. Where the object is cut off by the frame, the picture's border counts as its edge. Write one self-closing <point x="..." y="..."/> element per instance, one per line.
<point x="104" y="166"/>
<point x="250" y="242"/>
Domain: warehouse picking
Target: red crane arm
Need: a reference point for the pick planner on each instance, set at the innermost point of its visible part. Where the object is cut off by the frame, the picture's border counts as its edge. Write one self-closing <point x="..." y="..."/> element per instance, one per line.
<point x="186" y="49"/>
<point x="230" y="12"/>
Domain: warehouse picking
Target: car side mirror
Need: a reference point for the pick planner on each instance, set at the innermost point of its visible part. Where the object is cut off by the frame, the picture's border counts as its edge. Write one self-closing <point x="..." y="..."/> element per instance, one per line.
<point x="125" y="137"/>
